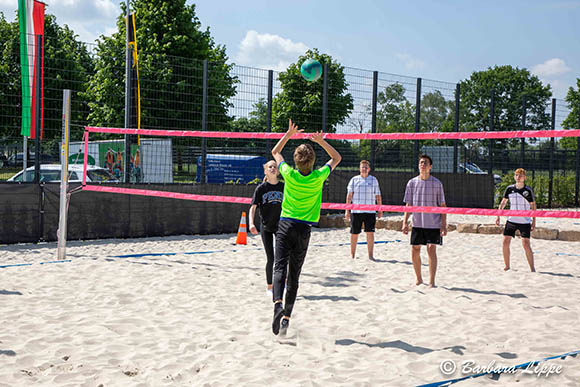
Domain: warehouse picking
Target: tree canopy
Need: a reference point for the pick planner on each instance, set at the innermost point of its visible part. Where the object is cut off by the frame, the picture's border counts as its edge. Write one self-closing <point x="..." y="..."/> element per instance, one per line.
<point x="67" y="65"/>
<point x="301" y="100"/>
<point x="171" y="49"/>
<point x="571" y="122"/>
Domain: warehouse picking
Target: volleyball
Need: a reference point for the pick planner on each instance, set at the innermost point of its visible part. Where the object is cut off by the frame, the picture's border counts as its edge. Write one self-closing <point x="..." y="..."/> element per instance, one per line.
<point x="311" y="70"/>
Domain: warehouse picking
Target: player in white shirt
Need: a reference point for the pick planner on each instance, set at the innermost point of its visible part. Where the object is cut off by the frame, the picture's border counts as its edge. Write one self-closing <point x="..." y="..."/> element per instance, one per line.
<point x="363" y="189"/>
<point x="520" y="197"/>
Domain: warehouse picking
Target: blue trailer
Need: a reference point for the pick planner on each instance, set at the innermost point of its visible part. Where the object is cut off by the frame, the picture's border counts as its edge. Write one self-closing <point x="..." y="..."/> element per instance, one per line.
<point x="236" y="169"/>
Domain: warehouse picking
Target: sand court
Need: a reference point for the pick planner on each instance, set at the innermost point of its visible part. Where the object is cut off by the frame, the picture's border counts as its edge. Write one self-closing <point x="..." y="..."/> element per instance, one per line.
<point x="193" y="310"/>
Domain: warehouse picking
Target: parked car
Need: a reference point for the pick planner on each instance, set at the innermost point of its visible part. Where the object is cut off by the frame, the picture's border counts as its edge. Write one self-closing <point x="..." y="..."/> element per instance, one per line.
<point x="51" y="173"/>
<point x="17" y="159"/>
<point x="470" y="167"/>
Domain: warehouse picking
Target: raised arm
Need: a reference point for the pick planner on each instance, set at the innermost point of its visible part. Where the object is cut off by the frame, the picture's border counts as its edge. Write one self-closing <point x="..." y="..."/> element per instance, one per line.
<point x="277" y="150"/>
<point x="335" y="157"/>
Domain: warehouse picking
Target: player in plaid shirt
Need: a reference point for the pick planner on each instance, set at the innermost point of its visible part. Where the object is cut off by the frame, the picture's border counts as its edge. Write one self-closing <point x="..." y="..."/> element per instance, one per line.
<point x="428" y="229"/>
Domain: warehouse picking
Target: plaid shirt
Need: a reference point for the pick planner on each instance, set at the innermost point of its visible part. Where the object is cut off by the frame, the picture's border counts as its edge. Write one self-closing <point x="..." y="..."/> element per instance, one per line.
<point x="425" y="193"/>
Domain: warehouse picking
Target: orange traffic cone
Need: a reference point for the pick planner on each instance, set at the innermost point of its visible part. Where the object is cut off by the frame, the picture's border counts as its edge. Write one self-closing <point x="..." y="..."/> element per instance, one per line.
<point x="242" y="238"/>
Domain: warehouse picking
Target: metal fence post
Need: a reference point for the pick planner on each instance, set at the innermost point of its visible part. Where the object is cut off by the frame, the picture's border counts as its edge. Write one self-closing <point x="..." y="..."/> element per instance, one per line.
<point x="325" y="98"/>
<point x="37" y="111"/>
<point x="578" y="159"/>
<point x="269" y="117"/>
<point x="456" y="126"/>
<point x="551" y="165"/>
<point x="523" y="140"/>
<point x="417" y="122"/>
<point x="37" y="129"/>
<point x="374" y="115"/>
<point x="491" y="128"/>
<point x="127" y="137"/>
<point x="204" y="121"/>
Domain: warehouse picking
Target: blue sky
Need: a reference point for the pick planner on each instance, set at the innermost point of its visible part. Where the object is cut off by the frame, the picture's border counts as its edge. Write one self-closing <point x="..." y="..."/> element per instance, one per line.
<point x="439" y="40"/>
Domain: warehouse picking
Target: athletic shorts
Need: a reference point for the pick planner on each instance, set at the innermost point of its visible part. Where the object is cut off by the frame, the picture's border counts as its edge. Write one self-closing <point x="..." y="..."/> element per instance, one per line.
<point x="357" y="220"/>
<point x="426" y="236"/>
<point x="511" y="227"/>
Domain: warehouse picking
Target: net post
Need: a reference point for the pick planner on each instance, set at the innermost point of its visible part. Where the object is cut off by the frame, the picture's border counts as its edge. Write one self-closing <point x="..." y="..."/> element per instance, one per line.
<point x="523" y="140"/>
<point x="417" y="123"/>
<point x="374" y="115"/>
<point x="456" y="127"/>
<point x="204" y="121"/>
<point x="62" y="219"/>
<point x="491" y="128"/>
<point x="269" y="116"/>
<point x="325" y="97"/>
<point x="551" y="164"/>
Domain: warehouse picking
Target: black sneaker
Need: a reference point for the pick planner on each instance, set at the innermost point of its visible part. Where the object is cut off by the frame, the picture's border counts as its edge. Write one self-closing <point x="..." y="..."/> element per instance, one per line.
<point x="284" y="326"/>
<point x="278" y="313"/>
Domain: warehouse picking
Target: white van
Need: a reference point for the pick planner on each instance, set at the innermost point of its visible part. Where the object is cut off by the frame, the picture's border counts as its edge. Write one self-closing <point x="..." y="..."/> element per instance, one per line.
<point x="51" y="173"/>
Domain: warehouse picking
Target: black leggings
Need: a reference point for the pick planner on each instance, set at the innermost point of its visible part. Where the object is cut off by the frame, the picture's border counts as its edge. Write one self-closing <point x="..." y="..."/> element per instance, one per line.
<point x="268" y="241"/>
<point x="292" y="241"/>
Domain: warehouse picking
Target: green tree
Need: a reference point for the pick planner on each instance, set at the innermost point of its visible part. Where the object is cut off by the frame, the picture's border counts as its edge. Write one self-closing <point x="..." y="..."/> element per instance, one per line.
<point x="67" y="65"/>
<point x="171" y="48"/>
<point x="510" y="86"/>
<point x="571" y="122"/>
<point x="301" y="101"/>
<point x="434" y="111"/>
<point x="394" y="114"/>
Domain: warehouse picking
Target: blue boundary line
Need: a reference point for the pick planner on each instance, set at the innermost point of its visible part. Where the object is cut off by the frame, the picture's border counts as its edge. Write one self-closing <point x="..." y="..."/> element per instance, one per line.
<point x="30" y="264"/>
<point x="188" y="253"/>
<point x="519" y="366"/>
<point x="235" y="250"/>
<point x="573" y="255"/>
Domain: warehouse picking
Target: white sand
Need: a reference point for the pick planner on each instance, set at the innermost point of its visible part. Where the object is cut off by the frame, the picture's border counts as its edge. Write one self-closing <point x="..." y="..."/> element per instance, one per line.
<point x="204" y="319"/>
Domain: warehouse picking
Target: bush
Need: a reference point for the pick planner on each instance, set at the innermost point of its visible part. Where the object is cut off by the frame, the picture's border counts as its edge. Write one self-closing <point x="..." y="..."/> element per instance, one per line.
<point x="563" y="190"/>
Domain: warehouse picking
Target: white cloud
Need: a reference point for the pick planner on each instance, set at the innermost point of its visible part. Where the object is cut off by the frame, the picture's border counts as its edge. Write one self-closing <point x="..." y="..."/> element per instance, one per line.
<point x="410" y="62"/>
<point x="87" y="18"/>
<point x="268" y="51"/>
<point x="551" y="68"/>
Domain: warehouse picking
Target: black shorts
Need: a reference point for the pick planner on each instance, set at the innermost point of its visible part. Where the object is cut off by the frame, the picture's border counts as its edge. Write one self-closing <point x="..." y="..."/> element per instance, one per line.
<point x="511" y="227"/>
<point x="426" y="236"/>
<point x="357" y="220"/>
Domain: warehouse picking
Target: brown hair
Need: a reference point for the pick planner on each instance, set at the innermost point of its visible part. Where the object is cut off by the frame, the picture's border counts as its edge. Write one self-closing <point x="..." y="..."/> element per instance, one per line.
<point x="520" y="171"/>
<point x="365" y="163"/>
<point x="304" y="157"/>
<point x="426" y="157"/>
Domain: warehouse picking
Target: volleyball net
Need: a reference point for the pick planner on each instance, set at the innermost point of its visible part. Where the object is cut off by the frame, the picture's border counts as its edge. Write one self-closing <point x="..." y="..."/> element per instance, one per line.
<point x="225" y="167"/>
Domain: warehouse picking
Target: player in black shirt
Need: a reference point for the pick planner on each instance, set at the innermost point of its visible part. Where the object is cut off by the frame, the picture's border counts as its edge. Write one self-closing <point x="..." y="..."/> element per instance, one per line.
<point x="268" y="197"/>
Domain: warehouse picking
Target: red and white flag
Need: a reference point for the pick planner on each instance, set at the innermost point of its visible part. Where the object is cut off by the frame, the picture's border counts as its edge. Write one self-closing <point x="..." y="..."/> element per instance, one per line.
<point x="31" y="17"/>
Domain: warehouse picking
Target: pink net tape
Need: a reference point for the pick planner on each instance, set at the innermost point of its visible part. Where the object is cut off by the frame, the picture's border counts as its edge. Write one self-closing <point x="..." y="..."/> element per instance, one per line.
<point x="348" y="136"/>
<point x="341" y="206"/>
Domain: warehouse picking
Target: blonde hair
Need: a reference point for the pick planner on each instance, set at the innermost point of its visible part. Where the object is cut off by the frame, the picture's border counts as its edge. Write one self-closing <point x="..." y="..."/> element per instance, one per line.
<point x="266" y="167"/>
<point x="304" y="157"/>
<point x="365" y="162"/>
<point x="520" y="171"/>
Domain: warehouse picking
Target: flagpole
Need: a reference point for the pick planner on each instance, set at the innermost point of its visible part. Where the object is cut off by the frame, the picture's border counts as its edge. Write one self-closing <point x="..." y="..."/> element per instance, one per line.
<point x="127" y="158"/>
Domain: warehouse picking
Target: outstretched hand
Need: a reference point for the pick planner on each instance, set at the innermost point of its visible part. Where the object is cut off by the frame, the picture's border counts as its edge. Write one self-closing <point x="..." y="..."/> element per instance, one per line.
<point x="293" y="128"/>
<point x="317" y="137"/>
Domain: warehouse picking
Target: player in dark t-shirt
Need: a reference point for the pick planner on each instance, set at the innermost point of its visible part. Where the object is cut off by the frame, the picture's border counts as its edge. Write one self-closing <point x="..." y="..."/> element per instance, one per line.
<point x="268" y="197"/>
